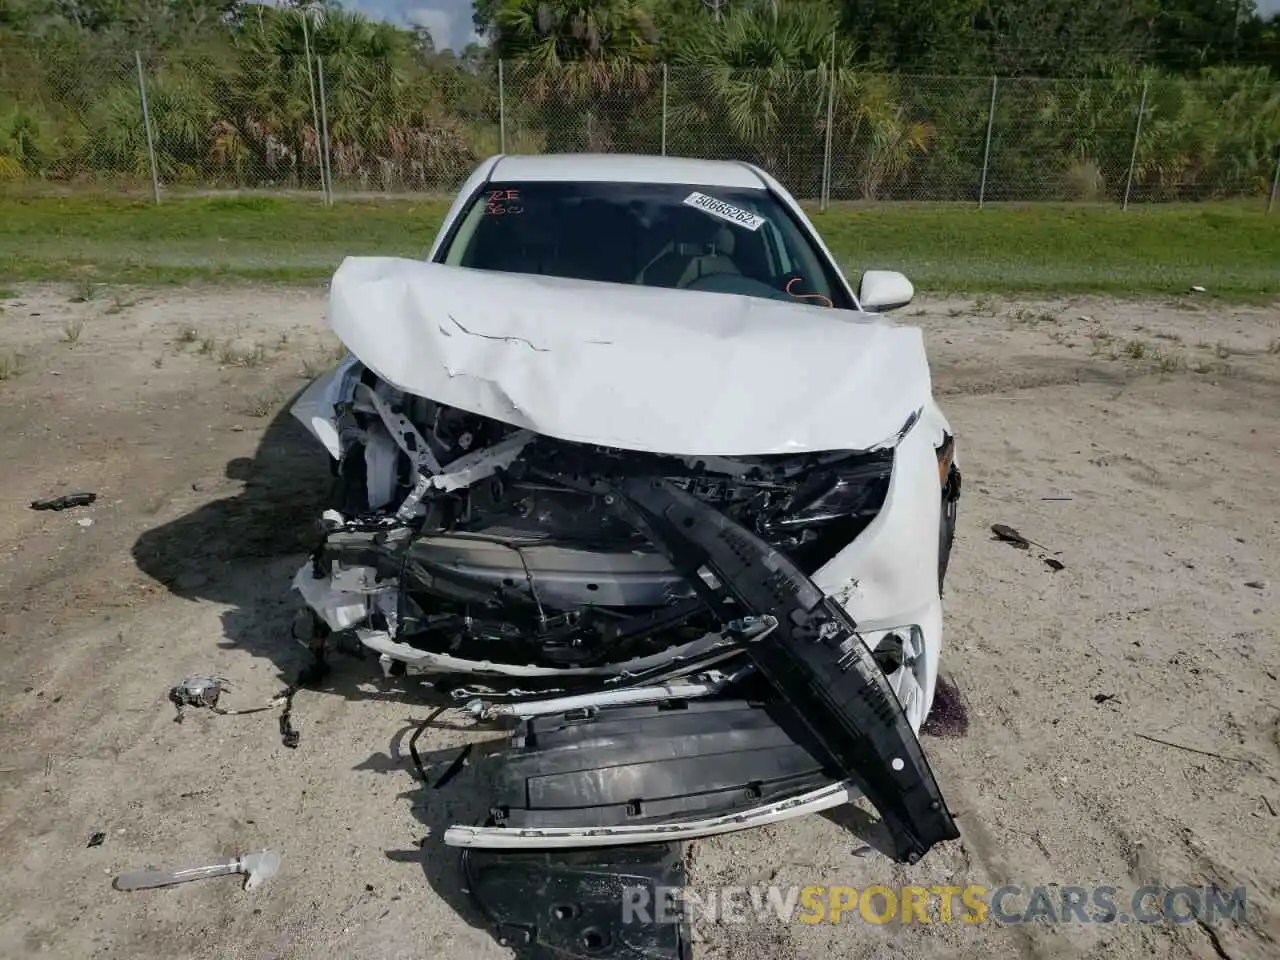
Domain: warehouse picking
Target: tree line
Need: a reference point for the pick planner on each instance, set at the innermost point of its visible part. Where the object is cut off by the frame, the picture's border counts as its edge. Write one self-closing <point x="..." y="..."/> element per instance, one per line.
<point x="899" y="99"/>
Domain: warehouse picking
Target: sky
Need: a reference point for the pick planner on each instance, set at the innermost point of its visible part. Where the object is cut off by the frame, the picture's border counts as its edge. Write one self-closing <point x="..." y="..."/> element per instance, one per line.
<point x="450" y="20"/>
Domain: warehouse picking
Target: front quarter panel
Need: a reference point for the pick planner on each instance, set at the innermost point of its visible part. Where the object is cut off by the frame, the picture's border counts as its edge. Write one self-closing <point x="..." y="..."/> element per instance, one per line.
<point x="888" y="576"/>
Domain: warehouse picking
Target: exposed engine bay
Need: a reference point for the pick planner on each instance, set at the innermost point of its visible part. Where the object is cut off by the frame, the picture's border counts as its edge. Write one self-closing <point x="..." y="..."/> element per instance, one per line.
<point x="674" y="634"/>
<point x="530" y="569"/>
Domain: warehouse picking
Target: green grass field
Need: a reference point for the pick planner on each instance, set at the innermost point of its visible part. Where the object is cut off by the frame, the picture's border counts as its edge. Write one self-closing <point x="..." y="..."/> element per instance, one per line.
<point x="1231" y="249"/>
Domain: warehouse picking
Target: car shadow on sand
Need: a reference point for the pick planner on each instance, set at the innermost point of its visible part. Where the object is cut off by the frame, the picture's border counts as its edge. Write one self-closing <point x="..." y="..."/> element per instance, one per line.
<point x="242" y="552"/>
<point x="444" y="793"/>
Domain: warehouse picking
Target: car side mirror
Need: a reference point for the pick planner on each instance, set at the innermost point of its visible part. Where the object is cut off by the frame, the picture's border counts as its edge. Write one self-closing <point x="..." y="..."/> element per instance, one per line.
<point x="882" y="290"/>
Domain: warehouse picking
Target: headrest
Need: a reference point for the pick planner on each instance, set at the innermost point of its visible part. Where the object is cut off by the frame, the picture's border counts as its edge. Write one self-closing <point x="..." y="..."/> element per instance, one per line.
<point x="724" y="241"/>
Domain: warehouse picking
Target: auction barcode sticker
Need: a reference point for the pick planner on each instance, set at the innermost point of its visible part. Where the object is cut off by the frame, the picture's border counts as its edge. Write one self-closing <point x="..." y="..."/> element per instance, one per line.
<point x="725" y="211"/>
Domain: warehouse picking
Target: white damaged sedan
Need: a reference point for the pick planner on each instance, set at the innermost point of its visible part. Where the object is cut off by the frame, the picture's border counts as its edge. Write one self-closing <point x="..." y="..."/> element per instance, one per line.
<point x="628" y="460"/>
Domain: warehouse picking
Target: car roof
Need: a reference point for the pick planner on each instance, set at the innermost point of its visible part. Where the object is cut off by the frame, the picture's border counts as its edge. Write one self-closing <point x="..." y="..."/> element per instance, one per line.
<point x="624" y="168"/>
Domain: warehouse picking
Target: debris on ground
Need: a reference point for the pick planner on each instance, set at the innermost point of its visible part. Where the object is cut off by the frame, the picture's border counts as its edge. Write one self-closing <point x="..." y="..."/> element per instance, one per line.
<point x="85" y="522"/>
<point x="200" y="691"/>
<point x="1009" y="535"/>
<point x="196" y="691"/>
<point x="65" y="502"/>
<point x="311" y="674"/>
<point x="1195" y="750"/>
<point x="1255" y="584"/>
<point x="96" y="839"/>
<point x="257" y="868"/>
<point x="1105" y="697"/>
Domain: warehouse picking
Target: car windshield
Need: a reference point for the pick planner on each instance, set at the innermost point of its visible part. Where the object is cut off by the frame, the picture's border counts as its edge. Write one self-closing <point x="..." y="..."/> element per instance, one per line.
<point x="689" y="237"/>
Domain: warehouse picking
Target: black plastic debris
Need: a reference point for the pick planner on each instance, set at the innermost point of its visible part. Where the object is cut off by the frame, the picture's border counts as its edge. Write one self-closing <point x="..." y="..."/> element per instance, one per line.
<point x="1054" y="565"/>
<point x="1105" y="697"/>
<point x="1006" y="533"/>
<point x="96" y="839"/>
<point x="65" y="502"/>
<point x="309" y="676"/>
<point x="613" y="903"/>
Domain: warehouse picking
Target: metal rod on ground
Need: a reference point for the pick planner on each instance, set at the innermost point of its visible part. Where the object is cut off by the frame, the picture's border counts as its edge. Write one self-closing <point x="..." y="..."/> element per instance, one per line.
<point x="831" y="109"/>
<point x="1275" y="183"/>
<point x="1137" y="135"/>
<point x="502" y="113"/>
<point x="146" y="122"/>
<point x="986" y="151"/>
<point x="315" y="115"/>
<point x="664" y="109"/>
<point x="326" y="166"/>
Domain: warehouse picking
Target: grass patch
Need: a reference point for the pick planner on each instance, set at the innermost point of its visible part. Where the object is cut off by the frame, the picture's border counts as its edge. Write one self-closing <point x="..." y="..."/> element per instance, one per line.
<point x="71" y="329"/>
<point x="1058" y="249"/>
<point x="330" y="356"/>
<point x="1169" y="362"/>
<point x="261" y="404"/>
<point x="85" y="288"/>
<point x="118" y="305"/>
<point x="1163" y="250"/>
<point x="232" y="356"/>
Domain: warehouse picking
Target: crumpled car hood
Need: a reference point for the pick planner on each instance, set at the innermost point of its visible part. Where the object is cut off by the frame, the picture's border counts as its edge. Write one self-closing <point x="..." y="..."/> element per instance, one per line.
<point x="638" y="368"/>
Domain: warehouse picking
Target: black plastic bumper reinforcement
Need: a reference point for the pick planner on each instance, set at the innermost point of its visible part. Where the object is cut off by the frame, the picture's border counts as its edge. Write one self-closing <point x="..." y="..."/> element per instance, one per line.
<point x="652" y="764"/>
<point x="814" y="658"/>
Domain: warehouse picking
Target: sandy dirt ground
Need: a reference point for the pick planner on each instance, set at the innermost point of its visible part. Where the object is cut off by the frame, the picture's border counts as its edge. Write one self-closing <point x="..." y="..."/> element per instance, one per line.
<point x="1138" y="442"/>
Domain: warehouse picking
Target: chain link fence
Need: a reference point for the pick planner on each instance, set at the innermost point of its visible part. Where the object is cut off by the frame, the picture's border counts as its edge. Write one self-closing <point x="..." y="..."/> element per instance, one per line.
<point x="345" y="126"/>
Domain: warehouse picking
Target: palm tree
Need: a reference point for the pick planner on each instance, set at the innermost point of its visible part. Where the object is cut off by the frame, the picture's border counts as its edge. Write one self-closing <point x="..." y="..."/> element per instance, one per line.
<point x="587" y="74"/>
<point x="552" y="34"/>
<point x="761" y="82"/>
<point x="181" y="121"/>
